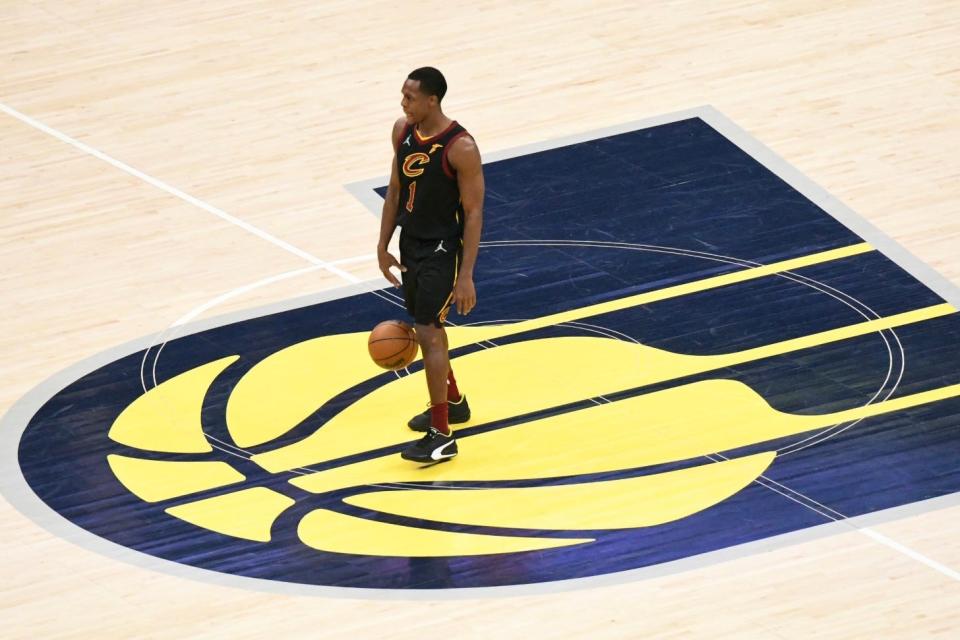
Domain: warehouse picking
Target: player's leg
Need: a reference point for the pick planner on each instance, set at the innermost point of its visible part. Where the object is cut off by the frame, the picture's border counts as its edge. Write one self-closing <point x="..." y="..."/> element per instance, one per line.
<point x="453" y="391"/>
<point x="458" y="409"/>
<point x="434" y="298"/>
<point x="434" y="294"/>
<point x="436" y="365"/>
<point x="438" y="444"/>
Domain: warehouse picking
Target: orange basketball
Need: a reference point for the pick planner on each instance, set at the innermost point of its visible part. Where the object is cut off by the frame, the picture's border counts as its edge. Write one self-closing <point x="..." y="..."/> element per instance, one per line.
<point x="392" y="344"/>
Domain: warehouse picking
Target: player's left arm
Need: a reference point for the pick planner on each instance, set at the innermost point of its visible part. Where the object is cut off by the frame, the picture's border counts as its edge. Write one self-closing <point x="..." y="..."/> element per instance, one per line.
<point x="464" y="156"/>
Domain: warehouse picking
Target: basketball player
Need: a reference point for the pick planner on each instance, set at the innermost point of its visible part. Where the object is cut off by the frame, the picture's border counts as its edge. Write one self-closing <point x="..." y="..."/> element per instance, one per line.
<point x="436" y="197"/>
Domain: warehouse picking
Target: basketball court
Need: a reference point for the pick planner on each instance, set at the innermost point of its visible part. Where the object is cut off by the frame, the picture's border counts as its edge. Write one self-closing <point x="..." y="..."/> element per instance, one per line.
<point x="713" y="367"/>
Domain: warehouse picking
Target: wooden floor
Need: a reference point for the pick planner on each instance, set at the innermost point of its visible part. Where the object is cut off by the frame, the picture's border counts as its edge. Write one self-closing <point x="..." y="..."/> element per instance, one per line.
<point x="155" y="158"/>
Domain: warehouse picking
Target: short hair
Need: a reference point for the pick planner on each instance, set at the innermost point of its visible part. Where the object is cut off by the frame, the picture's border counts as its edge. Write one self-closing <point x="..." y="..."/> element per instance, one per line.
<point x="432" y="82"/>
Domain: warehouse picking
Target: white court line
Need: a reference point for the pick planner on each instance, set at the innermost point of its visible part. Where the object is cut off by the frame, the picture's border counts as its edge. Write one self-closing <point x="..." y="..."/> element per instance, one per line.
<point x="259" y="283"/>
<point x="828" y="512"/>
<point x="177" y="193"/>
<point x="907" y="551"/>
<point x="239" y="290"/>
<point x="329" y="266"/>
<point x="877" y="537"/>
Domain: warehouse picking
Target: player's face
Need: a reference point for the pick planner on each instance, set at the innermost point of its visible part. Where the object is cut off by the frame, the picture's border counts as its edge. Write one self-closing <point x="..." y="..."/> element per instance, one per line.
<point x="416" y="106"/>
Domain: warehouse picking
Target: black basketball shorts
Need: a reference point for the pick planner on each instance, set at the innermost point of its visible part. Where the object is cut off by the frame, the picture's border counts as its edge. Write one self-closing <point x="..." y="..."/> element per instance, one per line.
<point x="431" y="273"/>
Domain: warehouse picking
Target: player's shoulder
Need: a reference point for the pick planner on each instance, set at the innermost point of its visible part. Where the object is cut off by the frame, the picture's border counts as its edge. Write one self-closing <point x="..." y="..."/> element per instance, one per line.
<point x="464" y="141"/>
<point x="463" y="145"/>
<point x="398" y="128"/>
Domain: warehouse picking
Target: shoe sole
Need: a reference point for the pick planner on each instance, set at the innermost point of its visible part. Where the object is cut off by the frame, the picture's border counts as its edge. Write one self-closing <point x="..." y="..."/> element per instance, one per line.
<point x="427" y="459"/>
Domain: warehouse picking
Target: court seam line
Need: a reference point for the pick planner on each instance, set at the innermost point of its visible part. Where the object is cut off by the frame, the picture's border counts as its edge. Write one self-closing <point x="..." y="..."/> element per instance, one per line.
<point x="180" y="194"/>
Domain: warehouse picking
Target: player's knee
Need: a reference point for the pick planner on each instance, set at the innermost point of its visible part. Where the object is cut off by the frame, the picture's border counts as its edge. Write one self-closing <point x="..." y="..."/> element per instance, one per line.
<point x="429" y="337"/>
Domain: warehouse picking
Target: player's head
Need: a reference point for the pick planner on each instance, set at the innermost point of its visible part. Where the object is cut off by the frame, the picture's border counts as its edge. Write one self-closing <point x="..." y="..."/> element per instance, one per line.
<point x="422" y="93"/>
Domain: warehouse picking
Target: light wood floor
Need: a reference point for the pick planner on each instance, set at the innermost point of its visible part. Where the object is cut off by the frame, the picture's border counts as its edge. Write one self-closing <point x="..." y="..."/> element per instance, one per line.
<point x="264" y="110"/>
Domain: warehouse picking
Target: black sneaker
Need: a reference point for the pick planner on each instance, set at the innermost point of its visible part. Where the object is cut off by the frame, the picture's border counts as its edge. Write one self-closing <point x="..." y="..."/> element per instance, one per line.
<point x="433" y="447"/>
<point x="457" y="412"/>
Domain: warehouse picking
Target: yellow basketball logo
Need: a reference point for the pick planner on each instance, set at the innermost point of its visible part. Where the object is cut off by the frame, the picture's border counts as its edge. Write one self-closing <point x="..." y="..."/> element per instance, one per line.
<point x="567" y="447"/>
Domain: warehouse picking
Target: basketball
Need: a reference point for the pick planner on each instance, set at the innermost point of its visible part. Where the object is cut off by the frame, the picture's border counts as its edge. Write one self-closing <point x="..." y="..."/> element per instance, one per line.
<point x="392" y="344"/>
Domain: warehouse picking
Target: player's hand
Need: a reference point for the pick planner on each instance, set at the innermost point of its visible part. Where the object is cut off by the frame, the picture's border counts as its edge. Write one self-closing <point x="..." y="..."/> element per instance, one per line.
<point x="387" y="261"/>
<point x="464" y="295"/>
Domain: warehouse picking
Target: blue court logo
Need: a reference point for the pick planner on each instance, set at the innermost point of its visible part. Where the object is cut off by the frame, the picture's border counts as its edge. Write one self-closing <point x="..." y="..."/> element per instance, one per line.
<point x="553" y="470"/>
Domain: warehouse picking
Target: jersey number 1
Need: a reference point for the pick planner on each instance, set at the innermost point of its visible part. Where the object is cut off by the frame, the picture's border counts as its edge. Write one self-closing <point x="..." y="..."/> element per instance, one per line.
<point x="413" y="192"/>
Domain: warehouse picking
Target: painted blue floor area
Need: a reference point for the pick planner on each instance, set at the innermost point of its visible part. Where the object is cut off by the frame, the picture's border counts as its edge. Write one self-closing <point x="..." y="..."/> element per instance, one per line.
<point x="566" y="228"/>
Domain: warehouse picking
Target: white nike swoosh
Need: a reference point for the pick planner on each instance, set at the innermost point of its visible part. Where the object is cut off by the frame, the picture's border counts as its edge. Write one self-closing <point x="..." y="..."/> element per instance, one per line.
<point x="438" y="453"/>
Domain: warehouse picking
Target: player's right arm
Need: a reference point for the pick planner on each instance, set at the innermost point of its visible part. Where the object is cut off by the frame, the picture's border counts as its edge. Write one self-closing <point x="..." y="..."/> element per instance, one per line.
<point x="388" y="218"/>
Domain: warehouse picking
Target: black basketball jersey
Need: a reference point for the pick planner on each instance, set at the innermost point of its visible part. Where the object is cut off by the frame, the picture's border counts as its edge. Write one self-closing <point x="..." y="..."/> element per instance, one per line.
<point x="430" y="205"/>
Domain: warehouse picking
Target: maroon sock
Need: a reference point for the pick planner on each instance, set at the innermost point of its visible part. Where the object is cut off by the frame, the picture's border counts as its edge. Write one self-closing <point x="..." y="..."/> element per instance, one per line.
<point x="438" y="418"/>
<point x="453" y="394"/>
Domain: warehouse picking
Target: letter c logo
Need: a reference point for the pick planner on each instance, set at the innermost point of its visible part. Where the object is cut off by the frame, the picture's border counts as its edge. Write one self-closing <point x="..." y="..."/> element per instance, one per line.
<point x="410" y="165"/>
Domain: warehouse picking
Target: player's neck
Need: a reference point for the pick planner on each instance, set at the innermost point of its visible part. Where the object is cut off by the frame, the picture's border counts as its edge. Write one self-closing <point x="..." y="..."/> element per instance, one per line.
<point x="433" y="124"/>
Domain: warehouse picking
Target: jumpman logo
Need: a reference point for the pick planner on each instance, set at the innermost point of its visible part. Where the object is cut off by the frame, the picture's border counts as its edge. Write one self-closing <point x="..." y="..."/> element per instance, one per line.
<point x="407" y="141"/>
<point x="440" y="247"/>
